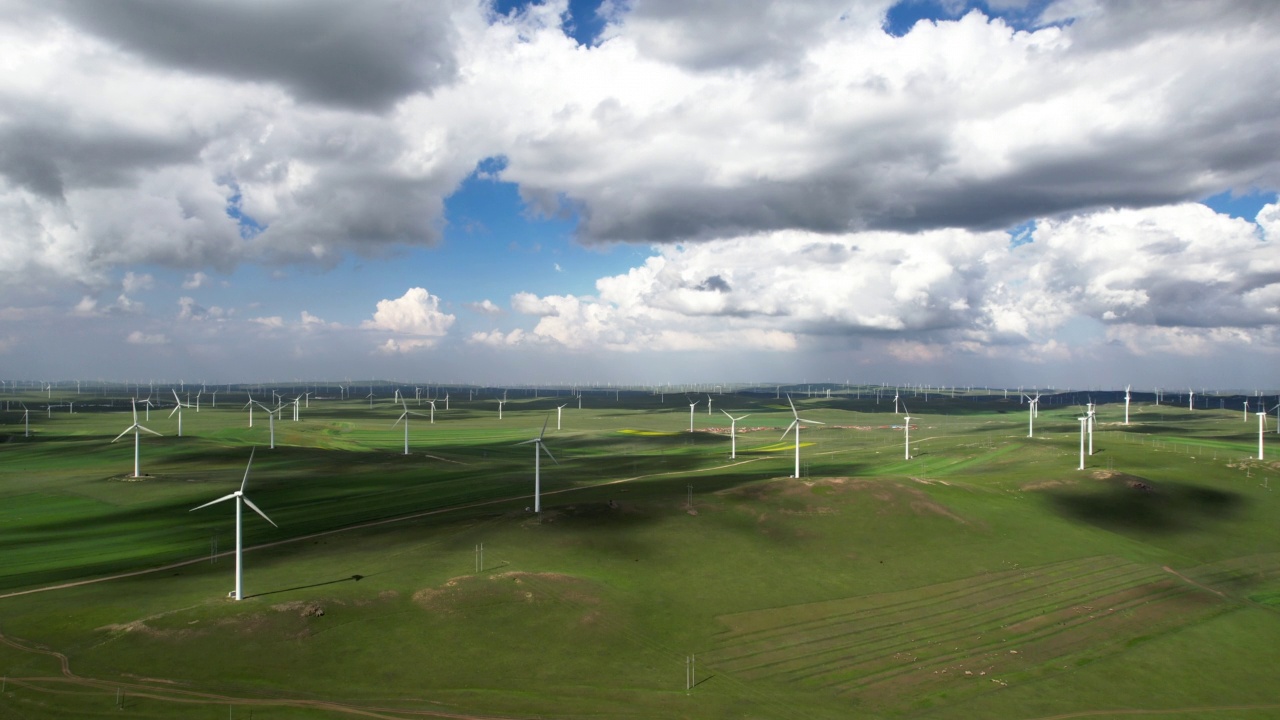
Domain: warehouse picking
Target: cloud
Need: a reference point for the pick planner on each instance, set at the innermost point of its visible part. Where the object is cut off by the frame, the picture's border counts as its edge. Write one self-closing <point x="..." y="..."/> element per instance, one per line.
<point x="274" y="322"/>
<point x="415" y="314"/>
<point x="1182" y="277"/>
<point x="326" y="51"/>
<point x="133" y="282"/>
<point x="485" y="307"/>
<point x="137" y="337"/>
<point x="195" y="280"/>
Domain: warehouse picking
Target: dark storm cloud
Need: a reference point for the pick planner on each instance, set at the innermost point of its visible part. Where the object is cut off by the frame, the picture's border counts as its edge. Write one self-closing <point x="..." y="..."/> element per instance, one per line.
<point x="47" y="160"/>
<point x="363" y="56"/>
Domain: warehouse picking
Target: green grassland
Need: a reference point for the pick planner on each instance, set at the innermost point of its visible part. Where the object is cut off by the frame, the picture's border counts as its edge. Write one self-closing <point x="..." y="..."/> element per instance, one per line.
<point x="984" y="577"/>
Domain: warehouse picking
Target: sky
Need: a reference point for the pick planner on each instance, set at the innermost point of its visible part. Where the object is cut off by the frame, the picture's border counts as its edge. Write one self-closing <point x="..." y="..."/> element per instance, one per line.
<point x="1069" y="193"/>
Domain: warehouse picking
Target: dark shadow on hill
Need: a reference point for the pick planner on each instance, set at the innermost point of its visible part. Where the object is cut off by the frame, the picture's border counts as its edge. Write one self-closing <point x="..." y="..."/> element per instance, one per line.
<point x="1128" y="503"/>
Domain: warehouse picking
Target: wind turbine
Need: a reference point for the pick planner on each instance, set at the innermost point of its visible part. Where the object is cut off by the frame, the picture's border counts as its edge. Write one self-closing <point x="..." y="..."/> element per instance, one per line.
<point x="708" y="406"/>
<point x="695" y="402"/>
<point x="1083" y="421"/>
<point x="405" y="417"/>
<point x="214" y="395"/>
<point x="296" y="406"/>
<point x="1262" y="428"/>
<point x="239" y="497"/>
<point x="733" y="434"/>
<point x="1032" y="404"/>
<point x="1090" y="416"/>
<point x="271" y="421"/>
<point x="198" y="400"/>
<point x="250" y="405"/>
<point x="795" y="424"/>
<point x="26" y="421"/>
<point x="559" y="410"/>
<point x="1191" y="399"/>
<point x="1126" y="404"/>
<point x="135" y="427"/>
<point x="500" y="404"/>
<point x="1246" y="412"/>
<point x="895" y="401"/>
<point x="537" y="465"/>
<point x="432" y="403"/>
<point x="177" y="408"/>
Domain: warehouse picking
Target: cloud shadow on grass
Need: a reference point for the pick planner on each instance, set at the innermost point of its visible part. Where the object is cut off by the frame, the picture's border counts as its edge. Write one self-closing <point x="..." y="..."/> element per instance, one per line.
<point x="1127" y="503"/>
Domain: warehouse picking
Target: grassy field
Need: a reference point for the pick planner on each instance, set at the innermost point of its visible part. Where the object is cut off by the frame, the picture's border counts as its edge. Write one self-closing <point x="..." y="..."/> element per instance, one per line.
<point x="984" y="577"/>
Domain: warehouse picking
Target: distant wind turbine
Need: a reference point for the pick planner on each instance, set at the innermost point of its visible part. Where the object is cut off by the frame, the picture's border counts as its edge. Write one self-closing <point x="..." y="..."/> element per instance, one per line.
<point x="1126" y="404"/>
<point x="177" y="408"/>
<point x="405" y="417"/>
<point x="1191" y="399"/>
<point x="250" y="405"/>
<point x="691" y="406"/>
<point x="796" y="424"/>
<point x="26" y="421"/>
<point x="708" y="406"/>
<point x="271" y="421"/>
<point x="733" y="434"/>
<point x="135" y="427"/>
<point x="559" y="411"/>
<point x="240" y="497"/>
<point x="537" y="465"/>
<point x="1032" y="403"/>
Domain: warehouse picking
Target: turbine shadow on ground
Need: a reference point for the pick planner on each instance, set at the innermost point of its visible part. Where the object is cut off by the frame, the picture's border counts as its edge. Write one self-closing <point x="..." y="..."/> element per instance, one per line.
<point x="353" y="578"/>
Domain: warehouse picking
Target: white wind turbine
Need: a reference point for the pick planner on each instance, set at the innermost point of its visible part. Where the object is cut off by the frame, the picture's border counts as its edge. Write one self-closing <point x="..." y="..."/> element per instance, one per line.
<point x="148" y="403"/>
<point x="537" y="465"/>
<point x="895" y="401"/>
<point x="708" y="406"/>
<point x="559" y="410"/>
<point x="271" y="421"/>
<point x="177" y="408"/>
<point x="405" y="417"/>
<point x="432" y="403"/>
<point x="694" y="404"/>
<point x="240" y="497"/>
<point x="26" y="421"/>
<point x="500" y="404"/>
<point x="1262" y="427"/>
<point x="198" y="400"/>
<point x="1191" y="399"/>
<point x="906" y="434"/>
<point x="250" y="405"/>
<point x="1083" y="422"/>
<point x="296" y="406"/>
<point x="1090" y="424"/>
<point x="796" y="424"/>
<point x="214" y="396"/>
<point x="1126" y="404"/>
<point x="1246" y="410"/>
<point x="1032" y="404"/>
<point x="135" y="427"/>
<point x="733" y="434"/>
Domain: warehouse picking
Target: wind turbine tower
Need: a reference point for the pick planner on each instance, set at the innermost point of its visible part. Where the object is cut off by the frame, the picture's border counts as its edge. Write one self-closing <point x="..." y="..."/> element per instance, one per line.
<point x="796" y="424"/>
<point x="733" y="434"/>
<point x="1126" y="404"/>
<point x="135" y="427"/>
<point x="1083" y="422"/>
<point x="559" y="412"/>
<point x="691" y="406"/>
<point x="240" y="497"/>
<point x="538" y="449"/>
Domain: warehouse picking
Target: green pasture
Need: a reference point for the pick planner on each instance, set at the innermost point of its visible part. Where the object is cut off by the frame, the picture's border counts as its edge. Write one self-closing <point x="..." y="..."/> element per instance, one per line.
<point x="983" y="577"/>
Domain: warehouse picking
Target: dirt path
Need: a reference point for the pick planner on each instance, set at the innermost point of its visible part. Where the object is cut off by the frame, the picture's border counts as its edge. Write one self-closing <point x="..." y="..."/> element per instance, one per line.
<point x="371" y="523"/>
<point x="1189" y="581"/>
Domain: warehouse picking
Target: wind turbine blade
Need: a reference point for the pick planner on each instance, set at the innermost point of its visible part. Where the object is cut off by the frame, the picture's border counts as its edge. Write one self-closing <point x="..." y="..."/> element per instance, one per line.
<point x="811" y="422"/>
<point x="544" y="427"/>
<point x="147" y="429"/>
<point x="246" y="468"/>
<point x="794" y="423"/>
<point x="548" y="452"/>
<point x="214" y="502"/>
<point x="249" y="502"/>
<point x="174" y="410"/>
<point x="397" y="422"/>
<point x="728" y="415"/>
<point x="793" y="407"/>
<point x="127" y="431"/>
<point x="526" y="442"/>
